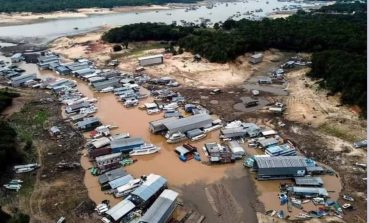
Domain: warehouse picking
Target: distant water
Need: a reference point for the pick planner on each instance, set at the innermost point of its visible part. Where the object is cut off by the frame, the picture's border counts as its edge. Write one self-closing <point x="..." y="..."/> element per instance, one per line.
<point x="48" y="30"/>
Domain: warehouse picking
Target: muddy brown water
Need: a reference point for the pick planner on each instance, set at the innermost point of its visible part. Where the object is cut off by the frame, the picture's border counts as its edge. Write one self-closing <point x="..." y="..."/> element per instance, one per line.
<point x="188" y="178"/>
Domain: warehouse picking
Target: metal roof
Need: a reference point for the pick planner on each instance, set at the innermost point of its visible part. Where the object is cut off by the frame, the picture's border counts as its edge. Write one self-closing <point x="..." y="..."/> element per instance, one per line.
<point x="308" y="181"/>
<point x="126" y="142"/>
<point x="150" y="186"/>
<point x="120" y="181"/>
<point x="187" y="122"/>
<point x="120" y="209"/>
<point x="267" y="142"/>
<point x="103" y="141"/>
<point x="87" y="121"/>
<point x="107" y="157"/>
<point x="310" y="190"/>
<point x="162" y="121"/>
<point x="24" y="76"/>
<point x="111" y="175"/>
<point x="281" y="161"/>
<point x="160" y="207"/>
<point x="150" y="57"/>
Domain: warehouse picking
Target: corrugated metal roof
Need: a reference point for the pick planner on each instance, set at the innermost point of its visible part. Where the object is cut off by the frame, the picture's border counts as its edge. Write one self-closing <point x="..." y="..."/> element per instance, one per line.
<point x="187" y="121"/>
<point x="120" y="209"/>
<point x="107" y="157"/>
<point x="126" y="142"/>
<point x="87" y="121"/>
<point x="160" y="207"/>
<point x="309" y="181"/>
<point x="24" y="76"/>
<point x="150" y="57"/>
<point x="162" y="121"/>
<point x="111" y="175"/>
<point x="150" y="186"/>
<point x="310" y="190"/>
<point x="281" y="161"/>
<point x="267" y="142"/>
<point x="120" y="181"/>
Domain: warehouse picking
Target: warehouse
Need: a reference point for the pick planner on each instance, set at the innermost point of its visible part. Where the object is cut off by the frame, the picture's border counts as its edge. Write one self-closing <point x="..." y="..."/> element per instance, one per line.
<point x="236" y="149"/>
<point x="20" y="80"/>
<point x="189" y="123"/>
<point x="264" y="143"/>
<point x="149" y="190"/>
<point x="159" y="125"/>
<point x="309" y="191"/>
<point x="309" y="181"/>
<point x="126" y="145"/>
<point x="114" y="82"/>
<point x="280" y="167"/>
<point x="151" y="60"/>
<point x="118" y="211"/>
<point x="162" y="208"/>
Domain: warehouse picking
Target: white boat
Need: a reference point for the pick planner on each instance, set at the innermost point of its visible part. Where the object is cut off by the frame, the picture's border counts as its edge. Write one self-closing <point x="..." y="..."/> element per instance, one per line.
<point x="15" y="187"/>
<point x="212" y="128"/>
<point x="107" y="89"/>
<point x="101" y="208"/>
<point x="198" y="137"/>
<point x="153" y="111"/>
<point x="88" y="110"/>
<point x="24" y="170"/>
<point x="16" y="181"/>
<point x="145" y="150"/>
<point x="127" y="188"/>
<point x="176" y="137"/>
<point x="131" y="103"/>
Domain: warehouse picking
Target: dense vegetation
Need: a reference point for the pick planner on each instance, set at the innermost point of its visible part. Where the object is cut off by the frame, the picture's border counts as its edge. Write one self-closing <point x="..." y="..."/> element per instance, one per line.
<point x="337" y="40"/>
<point x="6" y="98"/>
<point x="58" y="5"/>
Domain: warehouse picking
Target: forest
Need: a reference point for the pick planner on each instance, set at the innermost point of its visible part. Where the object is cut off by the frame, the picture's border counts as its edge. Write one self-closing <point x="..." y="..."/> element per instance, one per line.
<point x="334" y="39"/>
<point x="60" y="5"/>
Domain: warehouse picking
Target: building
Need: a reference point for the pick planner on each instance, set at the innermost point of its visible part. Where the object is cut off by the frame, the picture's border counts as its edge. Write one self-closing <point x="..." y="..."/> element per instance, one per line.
<point x="117" y="182"/>
<point x="146" y="193"/>
<point x="31" y="56"/>
<point x="22" y="79"/>
<point x="114" y="82"/>
<point x="111" y="175"/>
<point x="256" y="58"/>
<point x="264" y="143"/>
<point x="309" y="181"/>
<point x="118" y="211"/>
<point x="281" y="150"/>
<point x="309" y="191"/>
<point x="16" y="58"/>
<point x="76" y="107"/>
<point x="125" y="145"/>
<point x="88" y="124"/>
<point x="151" y="60"/>
<point x="183" y="125"/>
<point x="62" y="82"/>
<point x="96" y="79"/>
<point x="236" y="149"/>
<point x="280" y="167"/>
<point x="62" y="70"/>
<point x="108" y="161"/>
<point x="159" y="125"/>
<point x="162" y="209"/>
<point x="45" y="60"/>
<point x="218" y="153"/>
<point x="233" y="133"/>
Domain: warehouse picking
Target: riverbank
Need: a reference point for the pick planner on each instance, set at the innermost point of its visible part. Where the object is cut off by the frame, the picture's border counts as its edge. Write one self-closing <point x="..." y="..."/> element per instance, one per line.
<point x="10" y="19"/>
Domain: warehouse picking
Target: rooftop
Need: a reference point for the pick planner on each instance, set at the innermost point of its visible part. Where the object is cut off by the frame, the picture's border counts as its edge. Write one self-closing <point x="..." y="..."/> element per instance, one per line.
<point x="150" y="57"/>
<point x="281" y="161"/>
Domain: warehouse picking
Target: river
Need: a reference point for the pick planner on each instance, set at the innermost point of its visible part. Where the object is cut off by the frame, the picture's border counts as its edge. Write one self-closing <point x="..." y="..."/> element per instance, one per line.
<point x="48" y="30"/>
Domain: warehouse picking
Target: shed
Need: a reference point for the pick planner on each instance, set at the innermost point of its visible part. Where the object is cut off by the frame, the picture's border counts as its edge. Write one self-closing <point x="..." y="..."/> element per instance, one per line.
<point x="280" y="167"/>
<point x="309" y="191"/>
<point x="120" y="210"/>
<point x="54" y="131"/>
<point x="236" y="149"/>
<point x="125" y="145"/>
<point x="153" y="185"/>
<point x="281" y="150"/>
<point x="19" y="80"/>
<point x="309" y="181"/>
<point x="151" y="60"/>
<point x="256" y="58"/>
<point x="111" y="175"/>
<point x="120" y="181"/>
<point x="264" y="143"/>
<point x="162" y="208"/>
<point x="189" y="123"/>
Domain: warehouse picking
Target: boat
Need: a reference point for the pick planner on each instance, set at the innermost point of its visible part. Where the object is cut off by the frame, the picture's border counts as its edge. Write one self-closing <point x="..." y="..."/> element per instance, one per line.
<point x="153" y="111"/>
<point x="346" y="206"/>
<point x="198" y="137"/>
<point x="306" y="201"/>
<point x="176" y="137"/>
<point x="88" y="110"/>
<point x="255" y="92"/>
<point x="24" y="170"/>
<point x="348" y="198"/>
<point x="145" y="150"/>
<point x="107" y="89"/>
<point x="212" y="128"/>
<point x="270" y="213"/>
<point x="127" y="188"/>
<point x="131" y="103"/>
<point x="16" y="181"/>
<point x="303" y="216"/>
<point x="15" y="187"/>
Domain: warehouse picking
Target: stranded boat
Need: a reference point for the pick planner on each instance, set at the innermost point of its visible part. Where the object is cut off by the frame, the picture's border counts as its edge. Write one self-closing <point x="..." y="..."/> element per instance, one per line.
<point x="145" y="150"/>
<point x="176" y="137"/>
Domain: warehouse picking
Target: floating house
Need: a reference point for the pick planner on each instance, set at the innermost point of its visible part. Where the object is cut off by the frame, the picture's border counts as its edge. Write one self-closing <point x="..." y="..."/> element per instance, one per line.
<point x="113" y="82"/>
<point x="309" y="191"/>
<point x="309" y="181"/>
<point x="183" y="125"/>
<point x="111" y="175"/>
<point x="162" y="209"/>
<point x="88" y="124"/>
<point x="125" y="145"/>
<point x="146" y="193"/>
<point x="108" y="161"/>
<point x="119" y="211"/>
<point x="281" y="150"/>
<point x="237" y="150"/>
<point x="280" y="167"/>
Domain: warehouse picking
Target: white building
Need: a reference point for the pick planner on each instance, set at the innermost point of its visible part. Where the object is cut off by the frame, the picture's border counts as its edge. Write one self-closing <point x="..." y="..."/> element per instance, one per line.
<point x="151" y="60"/>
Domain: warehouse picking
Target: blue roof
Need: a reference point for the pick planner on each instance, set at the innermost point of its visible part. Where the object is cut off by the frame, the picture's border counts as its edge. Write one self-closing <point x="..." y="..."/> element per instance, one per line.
<point x="150" y="187"/>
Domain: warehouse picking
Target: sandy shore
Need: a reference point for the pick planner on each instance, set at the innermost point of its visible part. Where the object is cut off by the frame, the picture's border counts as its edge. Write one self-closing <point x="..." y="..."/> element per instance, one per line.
<point x="7" y="19"/>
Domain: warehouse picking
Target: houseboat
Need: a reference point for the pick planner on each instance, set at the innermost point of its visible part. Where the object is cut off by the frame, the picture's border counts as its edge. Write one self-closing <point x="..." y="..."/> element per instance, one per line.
<point x="145" y="149"/>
